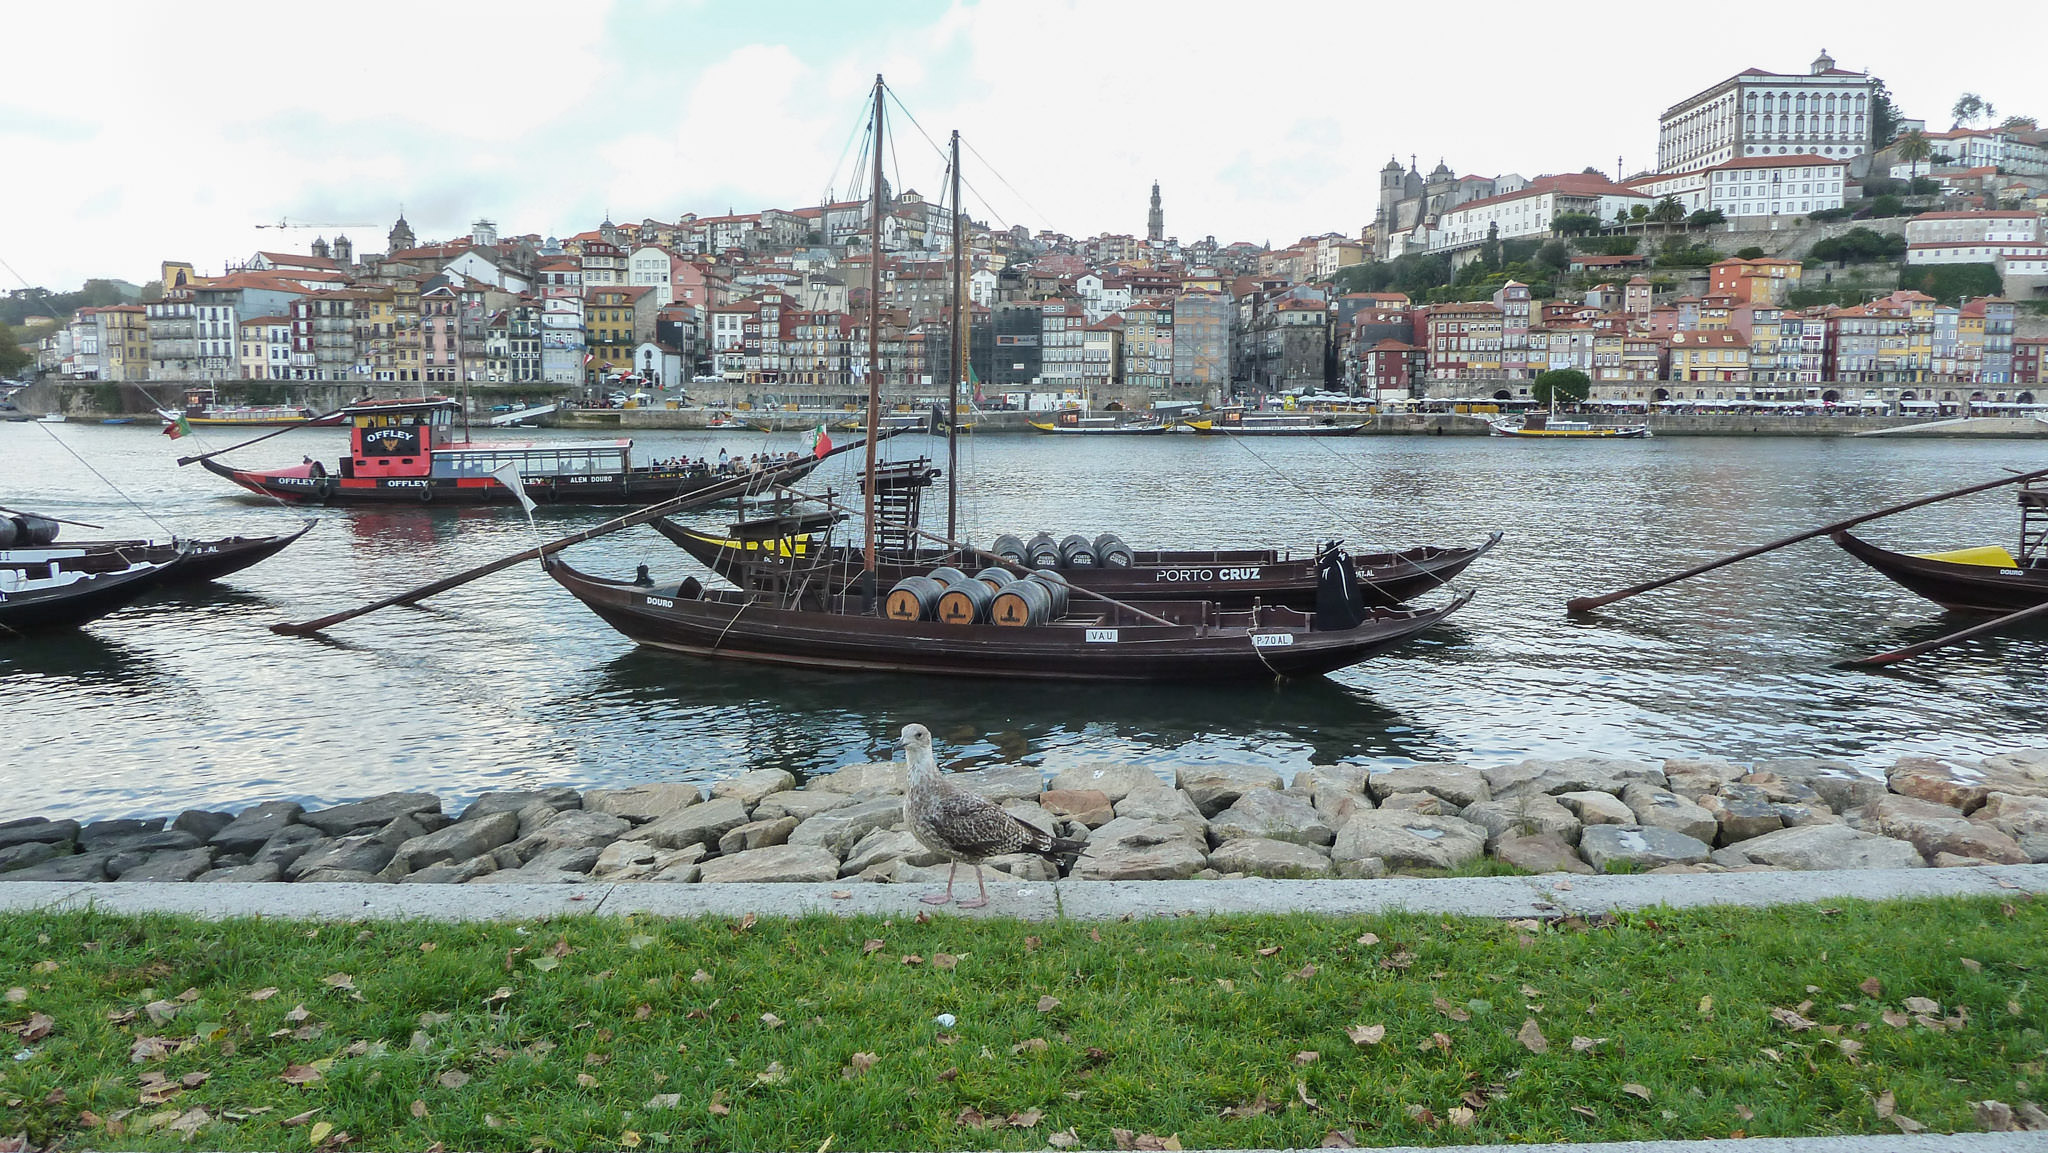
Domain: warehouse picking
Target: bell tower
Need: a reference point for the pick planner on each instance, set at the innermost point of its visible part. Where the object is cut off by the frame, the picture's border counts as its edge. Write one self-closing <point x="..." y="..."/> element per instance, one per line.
<point x="1155" y="220"/>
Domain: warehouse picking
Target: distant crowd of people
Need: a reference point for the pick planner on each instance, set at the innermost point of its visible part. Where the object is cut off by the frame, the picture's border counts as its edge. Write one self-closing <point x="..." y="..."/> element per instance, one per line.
<point x="728" y="464"/>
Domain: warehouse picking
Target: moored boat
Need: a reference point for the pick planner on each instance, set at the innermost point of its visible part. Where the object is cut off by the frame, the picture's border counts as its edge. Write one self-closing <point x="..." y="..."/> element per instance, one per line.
<point x="1072" y="422"/>
<point x="405" y="452"/>
<point x="1539" y="425"/>
<point x="180" y="561"/>
<point x="1987" y="579"/>
<point x="36" y="596"/>
<point x="1238" y="422"/>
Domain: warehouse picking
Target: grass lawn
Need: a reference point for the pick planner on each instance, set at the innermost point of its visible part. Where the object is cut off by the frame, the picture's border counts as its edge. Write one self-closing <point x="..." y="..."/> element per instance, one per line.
<point x="1272" y="1032"/>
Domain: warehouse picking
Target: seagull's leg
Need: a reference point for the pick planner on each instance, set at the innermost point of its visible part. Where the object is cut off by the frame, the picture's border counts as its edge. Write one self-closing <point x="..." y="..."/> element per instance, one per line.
<point x="978" y="902"/>
<point x="948" y="895"/>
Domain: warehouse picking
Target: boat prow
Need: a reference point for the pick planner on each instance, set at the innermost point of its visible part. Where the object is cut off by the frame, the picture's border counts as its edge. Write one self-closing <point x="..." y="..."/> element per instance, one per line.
<point x="1979" y="580"/>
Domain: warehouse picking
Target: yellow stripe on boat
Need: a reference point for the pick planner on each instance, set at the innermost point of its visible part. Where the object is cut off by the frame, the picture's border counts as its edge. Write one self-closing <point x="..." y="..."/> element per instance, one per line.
<point x="781" y="547"/>
<point x="1991" y="556"/>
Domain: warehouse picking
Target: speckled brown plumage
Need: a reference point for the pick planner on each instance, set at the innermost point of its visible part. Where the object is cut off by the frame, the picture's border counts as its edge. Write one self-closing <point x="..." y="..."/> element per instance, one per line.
<point x="965" y="827"/>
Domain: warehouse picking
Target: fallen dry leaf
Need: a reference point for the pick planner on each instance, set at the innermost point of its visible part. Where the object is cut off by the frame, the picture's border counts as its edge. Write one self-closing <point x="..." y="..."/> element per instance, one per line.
<point x="1706" y="1006"/>
<point x="1366" y="1034"/>
<point x="1586" y="1044"/>
<point x="1369" y="939"/>
<point x="1256" y="1107"/>
<point x="944" y="960"/>
<point x="1532" y="1039"/>
<point x="301" y="1118"/>
<point x="339" y="981"/>
<point x="1451" y="1011"/>
<point x="1441" y="1041"/>
<point x="1885" y="1105"/>
<point x="1907" y="1124"/>
<point x="629" y="1139"/>
<point x="36" y="1028"/>
<point x="1269" y="950"/>
<point x="318" y="1133"/>
<point x="1791" y="1020"/>
<point x="453" y="1079"/>
<point x="664" y="1101"/>
<point x="912" y="959"/>
<point x="773" y="1074"/>
<point x="1972" y="966"/>
<point x="862" y="1062"/>
<point x="1064" y="1139"/>
<point x="1460" y="1117"/>
<point x="1028" y="1119"/>
<point x="189" y="1122"/>
<point x="586" y="1081"/>
<point x="771" y="1020"/>
<point x="1922" y="1005"/>
<point x="1307" y="1057"/>
<point x="1871" y="987"/>
<point x="151" y="1048"/>
<point x="1301" y="1092"/>
<point x="1583" y="1111"/>
<point x="1048" y="1003"/>
<point x="17" y="995"/>
<point x="1635" y="1090"/>
<point x="1340" y="1139"/>
<point x="1421" y="1114"/>
<point x="1032" y="1045"/>
<point x="1993" y="1116"/>
<point x="717" y="1106"/>
<point x="419" y="1108"/>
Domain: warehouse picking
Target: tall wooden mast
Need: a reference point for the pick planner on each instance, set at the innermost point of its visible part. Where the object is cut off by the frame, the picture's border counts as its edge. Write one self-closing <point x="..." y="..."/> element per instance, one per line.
<point x="962" y="334"/>
<point x="874" y="330"/>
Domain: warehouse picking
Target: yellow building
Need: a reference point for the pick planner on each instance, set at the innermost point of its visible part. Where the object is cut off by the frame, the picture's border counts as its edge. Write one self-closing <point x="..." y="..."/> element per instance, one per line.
<point x="406" y="342"/>
<point x="124" y="345"/>
<point x="1722" y="355"/>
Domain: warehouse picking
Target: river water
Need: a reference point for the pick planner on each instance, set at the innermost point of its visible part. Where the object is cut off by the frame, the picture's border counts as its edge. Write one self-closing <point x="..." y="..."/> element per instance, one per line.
<point x="188" y="700"/>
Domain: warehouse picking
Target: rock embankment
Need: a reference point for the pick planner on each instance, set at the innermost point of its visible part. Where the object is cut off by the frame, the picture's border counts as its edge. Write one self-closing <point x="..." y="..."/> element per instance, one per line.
<point x="1582" y="815"/>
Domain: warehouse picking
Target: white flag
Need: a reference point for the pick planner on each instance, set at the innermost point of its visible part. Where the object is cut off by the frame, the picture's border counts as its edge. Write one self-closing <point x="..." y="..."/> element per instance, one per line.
<point x="508" y="475"/>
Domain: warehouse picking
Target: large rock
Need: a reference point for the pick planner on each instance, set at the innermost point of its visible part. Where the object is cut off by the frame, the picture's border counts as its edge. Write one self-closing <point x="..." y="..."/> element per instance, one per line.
<point x="773" y="863"/>
<point x="1572" y="775"/>
<point x="840" y="829"/>
<point x="1428" y="804"/>
<point x="564" y="866"/>
<point x="457" y="842"/>
<point x="1214" y="788"/>
<point x="697" y="825"/>
<point x="452" y="872"/>
<point x="1964" y="785"/>
<point x="1265" y="857"/>
<point x="1822" y="847"/>
<point x="1331" y="780"/>
<point x="803" y="804"/>
<point x="640" y="861"/>
<point x="23" y="854"/>
<point x="757" y="835"/>
<point x="1936" y="828"/>
<point x="1408" y="840"/>
<point x="374" y="812"/>
<point x="1645" y="847"/>
<point x="1457" y="784"/>
<point x="1109" y="778"/>
<point x="1523" y="817"/>
<point x="287" y="845"/>
<point x="176" y="865"/>
<point x="343" y="877"/>
<point x="1693" y="777"/>
<point x="1741" y="814"/>
<point x="573" y="830"/>
<point x="1539" y="853"/>
<point x="201" y="823"/>
<point x="1000" y="783"/>
<point x="1593" y="807"/>
<point x="649" y="802"/>
<point x="1661" y="808"/>
<point x="38" y="830"/>
<point x="1159" y="803"/>
<point x="1090" y="807"/>
<point x="1838" y="783"/>
<point x="1263" y="814"/>
<point x="249" y="830"/>
<point x="94" y="835"/>
<point x="90" y="866"/>
<point x="560" y="798"/>
<point x="750" y="787"/>
<point x="243" y="874"/>
<point x="1134" y="849"/>
<point x="864" y="780"/>
<point x="882" y="845"/>
<point x="1783" y="790"/>
<point x="2014" y="815"/>
<point x="363" y="853"/>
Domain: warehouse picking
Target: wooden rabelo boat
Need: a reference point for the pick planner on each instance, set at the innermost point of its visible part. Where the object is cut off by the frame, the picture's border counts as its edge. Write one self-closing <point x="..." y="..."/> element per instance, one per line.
<point x="790" y="610"/>
<point x="405" y="452"/>
<point x="1989" y="579"/>
<point x="36" y="596"/>
<point x="1238" y="422"/>
<point x="181" y="560"/>
<point x="1072" y="422"/>
<point x="1545" y="426"/>
<point x="1233" y="578"/>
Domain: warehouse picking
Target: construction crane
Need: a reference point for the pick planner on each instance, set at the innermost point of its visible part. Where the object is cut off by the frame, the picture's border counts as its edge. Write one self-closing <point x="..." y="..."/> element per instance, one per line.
<point x="284" y="222"/>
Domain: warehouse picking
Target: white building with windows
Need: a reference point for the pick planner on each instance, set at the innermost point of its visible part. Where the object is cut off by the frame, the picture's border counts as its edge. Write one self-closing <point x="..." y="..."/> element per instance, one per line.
<point x="1768" y="186"/>
<point x="1974" y="237"/>
<point x="651" y="266"/>
<point x="1530" y="210"/>
<point x="1756" y="113"/>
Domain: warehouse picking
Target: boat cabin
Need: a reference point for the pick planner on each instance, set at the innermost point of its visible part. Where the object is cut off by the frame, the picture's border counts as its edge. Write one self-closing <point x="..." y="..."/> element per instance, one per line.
<point x="416" y="438"/>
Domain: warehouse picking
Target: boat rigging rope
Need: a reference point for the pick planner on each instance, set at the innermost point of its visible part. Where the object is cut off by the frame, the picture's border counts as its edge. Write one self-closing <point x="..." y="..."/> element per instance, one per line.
<point x="148" y="515"/>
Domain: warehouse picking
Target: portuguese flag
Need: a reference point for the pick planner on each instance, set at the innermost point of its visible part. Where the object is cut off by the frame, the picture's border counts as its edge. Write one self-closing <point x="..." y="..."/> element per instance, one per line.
<point x="821" y="442"/>
<point x="177" y="428"/>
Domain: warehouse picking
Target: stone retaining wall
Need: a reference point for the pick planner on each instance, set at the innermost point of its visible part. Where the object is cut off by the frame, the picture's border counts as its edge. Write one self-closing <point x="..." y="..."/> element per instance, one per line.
<point x="1581" y="815"/>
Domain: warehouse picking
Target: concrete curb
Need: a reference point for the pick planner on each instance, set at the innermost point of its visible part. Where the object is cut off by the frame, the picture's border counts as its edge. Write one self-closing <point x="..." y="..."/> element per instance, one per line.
<point x="1549" y="895"/>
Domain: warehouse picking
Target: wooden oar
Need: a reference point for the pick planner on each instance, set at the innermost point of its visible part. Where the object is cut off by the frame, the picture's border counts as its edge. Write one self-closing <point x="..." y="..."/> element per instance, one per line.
<point x="185" y="460"/>
<point x="1586" y="604"/>
<point x="725" y="490"/>
<point x="1991" y="626"/>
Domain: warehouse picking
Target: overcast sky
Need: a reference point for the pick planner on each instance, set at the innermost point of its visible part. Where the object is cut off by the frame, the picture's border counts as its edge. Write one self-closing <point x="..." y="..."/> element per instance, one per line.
<point x="141" y="132"/>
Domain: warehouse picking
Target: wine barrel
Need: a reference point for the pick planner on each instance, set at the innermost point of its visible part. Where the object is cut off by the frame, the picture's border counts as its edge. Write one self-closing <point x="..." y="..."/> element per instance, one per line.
<point x="35" y="531"/>
<point x="914" y="598"/>
<point x="1023" y="603"/>
<point x="965" y="602"/>
<point x="1010" y="547"/>
<point x="1055" y="587"/>
<point x="947" y="575"/>
<point x="995" y="577"/>
<point x="1112" y="552"/>
<point x="1077" y="551"/>
<point x="10" y="533"/>
<point x="1042" y="552"/>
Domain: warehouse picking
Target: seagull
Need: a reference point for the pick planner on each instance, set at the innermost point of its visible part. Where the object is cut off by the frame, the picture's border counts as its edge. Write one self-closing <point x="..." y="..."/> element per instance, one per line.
<point x="965" y="827"/>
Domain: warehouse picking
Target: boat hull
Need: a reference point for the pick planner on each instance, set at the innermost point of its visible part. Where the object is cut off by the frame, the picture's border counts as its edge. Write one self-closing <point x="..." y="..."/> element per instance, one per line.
<point x="87" y="599"/>
<point x="1292" y="428"/>
<point x="732" y="627"/>
<point x="1102" y="430"/>
<point x="638" y="487"/>
<point x="184" y="562"/>
<point x="1623" y="432"/>
<point x="1233" y="579"/>
<point x="1973" y="588"/>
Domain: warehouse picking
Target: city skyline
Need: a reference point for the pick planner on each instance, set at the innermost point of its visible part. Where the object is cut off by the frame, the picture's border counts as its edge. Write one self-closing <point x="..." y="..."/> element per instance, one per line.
<point x="187" y="131"/>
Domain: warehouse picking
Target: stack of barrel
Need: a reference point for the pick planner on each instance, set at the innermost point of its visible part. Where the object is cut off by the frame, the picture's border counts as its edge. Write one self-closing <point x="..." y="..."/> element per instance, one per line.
<point x="23" y="530"/>
<point x="1073" y="551"/>
<point x="994" y="595"/>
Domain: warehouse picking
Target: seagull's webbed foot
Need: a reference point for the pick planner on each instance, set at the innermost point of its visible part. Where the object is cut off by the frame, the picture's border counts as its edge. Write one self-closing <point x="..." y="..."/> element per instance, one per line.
<point x="973" y="903"/>
<point x="939" y="899"/>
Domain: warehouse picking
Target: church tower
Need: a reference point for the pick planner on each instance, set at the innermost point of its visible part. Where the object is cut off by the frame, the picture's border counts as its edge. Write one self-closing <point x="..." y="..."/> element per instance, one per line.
<point x="1155" y="220"/>
<point x="344" y="251"/>
<point x="401" y="237"/>
<point x="320" y="247"/>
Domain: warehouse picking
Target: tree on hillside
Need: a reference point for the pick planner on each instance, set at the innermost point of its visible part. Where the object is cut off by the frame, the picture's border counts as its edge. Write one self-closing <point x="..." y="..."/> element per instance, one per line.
<point x="1574" y="223"/>
<point x="1568" y="385"/>
<point x="1914" y="147"/>
<point x="1970" y="108"/>
<point x="1750" y="253"/>
<point x="1489" y="249"/>
<point x="1884" y="115"/>
<point x="1668" y="211"/>
<point x="1705" y="216"/>
<point x="12" y="357"/>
